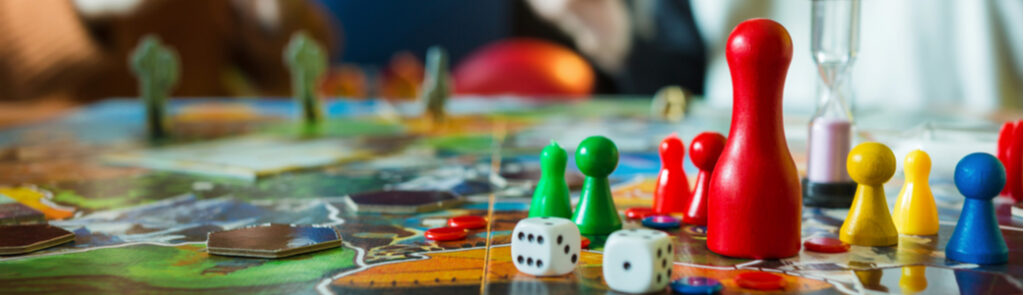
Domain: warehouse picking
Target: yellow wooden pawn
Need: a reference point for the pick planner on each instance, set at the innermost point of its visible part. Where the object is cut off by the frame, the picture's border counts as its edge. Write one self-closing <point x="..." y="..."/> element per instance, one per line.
<point x="870" y="164"/>
<point x="915" y="212"/>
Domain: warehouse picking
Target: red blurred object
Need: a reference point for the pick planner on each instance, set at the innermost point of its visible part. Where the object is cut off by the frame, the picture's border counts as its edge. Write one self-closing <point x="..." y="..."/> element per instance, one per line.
<point x="1010" y="148"/>
<point x="467" y="222"/>
<point x="526" y="67"/>
<point x="637" y="213"/>
<point x="754" y="200"/>
<point x="445" y="234"/>
<point x="672" y="193"/>
<point x="704" y="152"/>
<point x="826" y="245"/>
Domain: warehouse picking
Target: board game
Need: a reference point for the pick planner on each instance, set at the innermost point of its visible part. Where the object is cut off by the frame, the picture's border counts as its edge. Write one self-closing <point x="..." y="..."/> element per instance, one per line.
<point x="141" y="210"/>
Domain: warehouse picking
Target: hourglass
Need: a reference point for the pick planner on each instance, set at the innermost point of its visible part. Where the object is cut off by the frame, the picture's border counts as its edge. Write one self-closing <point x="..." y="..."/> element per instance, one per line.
<point x="834" y="41"/>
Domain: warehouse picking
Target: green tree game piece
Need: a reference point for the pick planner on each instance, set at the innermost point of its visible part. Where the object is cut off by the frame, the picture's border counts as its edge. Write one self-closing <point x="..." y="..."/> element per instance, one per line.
<point x="306" y="62"/>
<point x="436" y="85"/>
<point x="156" y="67"/>
<point x="551" y="198"/>
<point x="597" y="157"/>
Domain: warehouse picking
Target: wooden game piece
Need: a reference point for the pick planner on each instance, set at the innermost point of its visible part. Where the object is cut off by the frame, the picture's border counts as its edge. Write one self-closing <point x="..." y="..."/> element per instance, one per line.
<point x="660" y="222"/>
<point x="442" y="234"/>
<point x="28" y="238"/>
<point x="595" y="214"/>
<point x="754" y="201"/>
<point x="977" y="238"/>
<point x="272" y="241"/>
<point x="826" y="245"/>
<point x="868" y="223"/>
<point x="584" y="243"/>
<point x="672" y="193"/>
<point x="551" y="197"/>
<point x="436" y="84"/>
<point x="400" y="201"/>
<point x="638" y="213"/>
<point x="1010" y="151"/>
<point x="915" y="212"/>
<point x="467" y="222"/>
<point x="696" y="285"/>
<point x="307" y="62"/>
<point x="669" y="104"/>
<point x="913" y="279"/>
<point x="704" y="152"/>
<point x="156" y="67"/>
<point x="759" y="280"/>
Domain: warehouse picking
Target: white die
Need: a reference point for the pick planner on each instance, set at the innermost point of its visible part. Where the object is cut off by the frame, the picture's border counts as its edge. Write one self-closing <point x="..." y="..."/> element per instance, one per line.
<point x="545" y="246"/>
<point x="638" y="260"/>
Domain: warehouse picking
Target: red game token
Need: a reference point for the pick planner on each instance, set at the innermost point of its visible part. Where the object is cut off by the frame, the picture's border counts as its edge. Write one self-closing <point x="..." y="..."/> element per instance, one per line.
<point x="826" y="245"/>
<point x="445" y="234"/>
<point x="584" y="243"/>
<point x="467" y="222"/>
<point x="760" y="281"/>
<point x="638" y="212"/>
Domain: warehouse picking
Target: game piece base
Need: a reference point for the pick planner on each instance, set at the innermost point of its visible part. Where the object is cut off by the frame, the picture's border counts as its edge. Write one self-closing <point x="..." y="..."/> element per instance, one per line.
<point x="828" y="194"/>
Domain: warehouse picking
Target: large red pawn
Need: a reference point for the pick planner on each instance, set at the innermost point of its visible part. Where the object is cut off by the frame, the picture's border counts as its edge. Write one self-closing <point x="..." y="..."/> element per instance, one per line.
<point x="672" y="193"/>
<point x="754" y="199"/>
<point x="704" y="152"/>
<point x="1010" y="150"/>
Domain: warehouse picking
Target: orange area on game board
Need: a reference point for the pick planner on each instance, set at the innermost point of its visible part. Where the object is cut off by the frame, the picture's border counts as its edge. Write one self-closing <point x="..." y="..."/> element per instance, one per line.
<point x="37" y="199"/>
<point x="462" y="267"/>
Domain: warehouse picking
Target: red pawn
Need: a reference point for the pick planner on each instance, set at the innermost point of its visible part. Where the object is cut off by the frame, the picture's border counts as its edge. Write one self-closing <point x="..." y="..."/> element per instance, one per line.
<point x="754" y="198"/>
<point x="704" y="152"/>
<point x="1011" y="146"/>
<point x="673" y="190"/>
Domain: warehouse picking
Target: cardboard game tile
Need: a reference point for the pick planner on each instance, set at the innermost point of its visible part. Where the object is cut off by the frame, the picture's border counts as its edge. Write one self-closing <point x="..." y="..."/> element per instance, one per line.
<point x="26" y="238"/>
<point x="14" y="212"/>
<point x="272" y="241"/>
<point x="400" y="201"/>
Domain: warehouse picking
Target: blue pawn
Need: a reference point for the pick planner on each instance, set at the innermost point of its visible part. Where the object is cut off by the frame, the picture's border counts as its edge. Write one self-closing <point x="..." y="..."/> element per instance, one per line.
<point x="977" y="238"/>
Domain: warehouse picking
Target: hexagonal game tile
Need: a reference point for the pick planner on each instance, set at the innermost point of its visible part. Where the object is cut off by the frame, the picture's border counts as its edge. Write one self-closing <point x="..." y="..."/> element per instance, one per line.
<point x="21" y="239"/>
<point x="272" y="241"/>
<point x="401" y="201"/>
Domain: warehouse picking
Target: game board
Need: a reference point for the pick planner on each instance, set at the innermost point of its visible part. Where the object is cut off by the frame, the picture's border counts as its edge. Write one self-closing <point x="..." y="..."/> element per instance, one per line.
<point x="142" y="227"/>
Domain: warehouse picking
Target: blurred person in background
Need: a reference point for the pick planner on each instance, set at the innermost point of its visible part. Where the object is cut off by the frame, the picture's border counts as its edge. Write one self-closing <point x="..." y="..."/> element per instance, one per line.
<point x="913" y="54"/>
<point x="55" y="53"/>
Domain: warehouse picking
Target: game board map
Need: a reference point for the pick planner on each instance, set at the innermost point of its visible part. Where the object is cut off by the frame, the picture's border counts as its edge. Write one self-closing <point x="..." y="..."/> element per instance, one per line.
<point x="145" y="230"/>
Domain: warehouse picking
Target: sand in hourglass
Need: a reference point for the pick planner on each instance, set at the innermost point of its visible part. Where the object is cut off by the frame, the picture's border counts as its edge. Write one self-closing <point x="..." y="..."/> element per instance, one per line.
<point x="828" y="145"/>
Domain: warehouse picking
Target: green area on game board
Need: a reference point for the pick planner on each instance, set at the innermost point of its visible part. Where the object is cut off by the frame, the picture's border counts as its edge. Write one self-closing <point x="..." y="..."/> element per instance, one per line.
<point x="152" y="267"/>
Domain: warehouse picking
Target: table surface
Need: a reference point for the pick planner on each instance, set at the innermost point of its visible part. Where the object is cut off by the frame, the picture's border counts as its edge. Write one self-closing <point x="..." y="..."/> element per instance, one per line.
<point x="142" y="208"/>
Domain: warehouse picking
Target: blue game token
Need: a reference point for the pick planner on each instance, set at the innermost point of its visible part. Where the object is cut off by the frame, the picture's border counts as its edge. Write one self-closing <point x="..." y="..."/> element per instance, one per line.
<point x="696" y="285"/>
<point x="660" y="222"/>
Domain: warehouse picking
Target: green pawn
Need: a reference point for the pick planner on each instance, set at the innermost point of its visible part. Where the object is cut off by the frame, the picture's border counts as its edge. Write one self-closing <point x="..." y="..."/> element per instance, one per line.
<point x="597" y="157"/>
<point x="551" y="199"/>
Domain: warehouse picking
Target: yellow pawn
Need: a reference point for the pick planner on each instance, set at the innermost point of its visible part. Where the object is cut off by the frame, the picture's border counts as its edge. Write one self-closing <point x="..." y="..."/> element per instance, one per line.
<point x="913" y="279"/>
<point x="915" y="213"/>
<point x="870" y="164"/>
